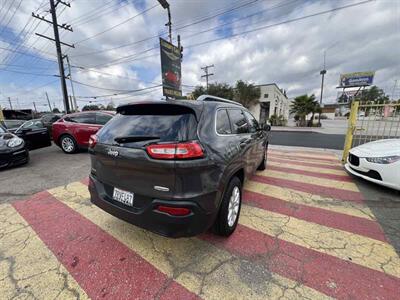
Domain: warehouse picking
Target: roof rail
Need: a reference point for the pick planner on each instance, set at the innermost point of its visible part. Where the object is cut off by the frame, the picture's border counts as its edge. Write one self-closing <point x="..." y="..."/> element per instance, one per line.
<point x="217" y="99"/>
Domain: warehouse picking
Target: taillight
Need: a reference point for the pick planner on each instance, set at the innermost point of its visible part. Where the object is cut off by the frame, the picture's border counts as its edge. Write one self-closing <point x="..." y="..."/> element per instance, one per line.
<point x="174" y="211"/>
<point x="92" y="141"/>
<point x="187" y="150"/>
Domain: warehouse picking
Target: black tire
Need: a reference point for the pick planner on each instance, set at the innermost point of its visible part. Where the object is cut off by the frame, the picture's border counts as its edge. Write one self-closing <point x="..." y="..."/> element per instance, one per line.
<point x="263" y="164"/>
<point x="68" y="144"/>
<point x="221" y="225"/>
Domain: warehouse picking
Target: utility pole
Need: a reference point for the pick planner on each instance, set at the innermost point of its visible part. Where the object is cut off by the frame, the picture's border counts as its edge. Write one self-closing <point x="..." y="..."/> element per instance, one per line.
<point x="34" y="105"/>
<point x="206" y="75"/>
<point x="165" y="5"/>
<point x="48" y="101"/>
<point x="9" y="101"/>
<point x="58" y="44"/>
<point x="70" y="81"/>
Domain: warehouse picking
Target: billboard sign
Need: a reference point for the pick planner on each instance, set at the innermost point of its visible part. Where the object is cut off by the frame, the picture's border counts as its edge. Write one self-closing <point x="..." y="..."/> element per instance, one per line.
<point x="346" y="97"/>
<point x="170" y="69"/>
<point x="356" y="79"/>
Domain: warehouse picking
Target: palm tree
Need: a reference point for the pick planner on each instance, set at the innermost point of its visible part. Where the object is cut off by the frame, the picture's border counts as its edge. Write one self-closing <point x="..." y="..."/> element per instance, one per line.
<point x="302" y="106"/>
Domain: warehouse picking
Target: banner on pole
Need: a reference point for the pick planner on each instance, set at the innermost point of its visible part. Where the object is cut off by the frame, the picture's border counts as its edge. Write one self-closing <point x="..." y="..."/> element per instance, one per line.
<point x="170" y="69"/>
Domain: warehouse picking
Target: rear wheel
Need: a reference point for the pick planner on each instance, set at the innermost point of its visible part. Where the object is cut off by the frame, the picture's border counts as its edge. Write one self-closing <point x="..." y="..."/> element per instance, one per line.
<point x="68" y="144"/>
<point x="229" y="212"/>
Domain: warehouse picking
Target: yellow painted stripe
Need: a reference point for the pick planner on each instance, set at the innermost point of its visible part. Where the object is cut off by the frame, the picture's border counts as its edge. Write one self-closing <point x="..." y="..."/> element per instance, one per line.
<point x="361" y="250"/>
<point x="197" y="265"/>
<point x="293" y="158"/>
<point x="27" y="267"/>
<point x="297" y="197"/>
<point x="305" y="155"/>
<point x="306" y="168"/>
<point x="322" y="182"/>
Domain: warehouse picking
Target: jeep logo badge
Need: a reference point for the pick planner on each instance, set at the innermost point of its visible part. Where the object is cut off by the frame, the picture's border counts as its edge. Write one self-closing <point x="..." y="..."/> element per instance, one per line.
<point x="112" y="152"/>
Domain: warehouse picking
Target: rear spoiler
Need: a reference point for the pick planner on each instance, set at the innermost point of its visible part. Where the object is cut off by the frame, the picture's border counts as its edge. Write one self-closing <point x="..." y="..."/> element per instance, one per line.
<point x="175" y="107"/>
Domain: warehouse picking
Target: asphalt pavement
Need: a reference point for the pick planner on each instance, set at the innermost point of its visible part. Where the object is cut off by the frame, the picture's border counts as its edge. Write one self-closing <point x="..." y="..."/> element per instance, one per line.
<point x="47" y="168"/>
<point x="307" y="139"/>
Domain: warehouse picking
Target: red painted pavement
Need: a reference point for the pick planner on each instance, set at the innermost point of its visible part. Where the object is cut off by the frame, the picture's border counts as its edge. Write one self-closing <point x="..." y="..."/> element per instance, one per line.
<point x="102" y="266"/>
<point x="320" y="216"/>
<point x="330" y="275"/>
<point x="330" y="192"/>
<point x="345" y="178"/>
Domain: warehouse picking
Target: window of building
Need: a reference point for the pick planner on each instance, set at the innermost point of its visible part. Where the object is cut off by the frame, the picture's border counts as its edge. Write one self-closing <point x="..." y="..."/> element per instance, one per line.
<point x="265" y="95"/>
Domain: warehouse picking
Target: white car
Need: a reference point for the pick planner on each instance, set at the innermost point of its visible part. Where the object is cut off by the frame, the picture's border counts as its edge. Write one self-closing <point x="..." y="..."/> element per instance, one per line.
<point x="377" y="161"/>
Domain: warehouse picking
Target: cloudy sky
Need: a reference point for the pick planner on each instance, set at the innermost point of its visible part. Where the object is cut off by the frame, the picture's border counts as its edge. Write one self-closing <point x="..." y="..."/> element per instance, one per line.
<point x="260" y="41"/>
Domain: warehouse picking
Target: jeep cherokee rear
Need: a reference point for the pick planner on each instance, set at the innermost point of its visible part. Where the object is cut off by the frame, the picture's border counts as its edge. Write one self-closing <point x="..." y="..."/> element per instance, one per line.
<point x="176" y="167"/>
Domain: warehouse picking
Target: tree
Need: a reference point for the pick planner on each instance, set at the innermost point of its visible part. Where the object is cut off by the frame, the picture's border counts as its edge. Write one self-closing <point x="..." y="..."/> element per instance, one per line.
<point x="302" y="106"/>
<point x="373" y="95"/>
<point x="110" y="106"/>
<point x="90" y="107"/>
<point x="222" y="90"/>
<point x="246" y="93"/>
<point x="56" y="110"/>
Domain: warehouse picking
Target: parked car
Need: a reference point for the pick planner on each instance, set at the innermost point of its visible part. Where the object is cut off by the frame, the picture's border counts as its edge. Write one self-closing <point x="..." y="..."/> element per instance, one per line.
<point x="34" y="133"/>
<point x="177" y="167"/>
<point x="377" y="161"/>
<point x="13" y="149"/>
<point x="49" y="119"/>
<point x="72" y="131"/>
<point x="12" y="125"/>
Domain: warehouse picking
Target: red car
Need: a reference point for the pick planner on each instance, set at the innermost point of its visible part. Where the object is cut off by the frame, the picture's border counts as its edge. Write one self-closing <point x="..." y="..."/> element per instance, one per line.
<point x="72" y="131"/>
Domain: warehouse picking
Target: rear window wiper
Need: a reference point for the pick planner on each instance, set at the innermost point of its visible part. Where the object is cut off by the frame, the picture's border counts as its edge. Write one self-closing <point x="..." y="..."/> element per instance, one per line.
<point x="135" y="138"/>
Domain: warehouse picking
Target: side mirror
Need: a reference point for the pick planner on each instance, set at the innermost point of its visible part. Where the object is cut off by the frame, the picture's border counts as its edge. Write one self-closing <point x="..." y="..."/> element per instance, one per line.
<point x="266" y="127"/>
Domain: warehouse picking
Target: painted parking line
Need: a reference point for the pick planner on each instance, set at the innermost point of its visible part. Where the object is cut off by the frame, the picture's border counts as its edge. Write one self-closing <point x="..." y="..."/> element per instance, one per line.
<point x="364" y="251"/>
<point x="305" y="163"/>
<point x="309" y="172"/>
<point x="358" y="209"/>
<point x="28" y="269"/>
<point x="99" y="263"/>
<point x="318" y="170"/>
<point x="293" y="157"/>
<point x="306" y="177"/>
<point x="312" y="157"/>
<point x="333" y="276"/>
<point x="308" y="153"/>
<point x="134" y="238"/>
<point x="332" y="192"/>
<point x="200" y="267"/>
<point x="353" y="224"/>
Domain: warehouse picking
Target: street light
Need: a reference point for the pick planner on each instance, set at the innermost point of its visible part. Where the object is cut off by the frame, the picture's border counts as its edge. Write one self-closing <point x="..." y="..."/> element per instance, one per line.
<point x="165" y="5"/>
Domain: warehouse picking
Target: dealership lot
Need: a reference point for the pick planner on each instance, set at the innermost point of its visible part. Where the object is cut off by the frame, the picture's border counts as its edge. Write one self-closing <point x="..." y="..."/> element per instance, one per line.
<point x="307" y="230"/>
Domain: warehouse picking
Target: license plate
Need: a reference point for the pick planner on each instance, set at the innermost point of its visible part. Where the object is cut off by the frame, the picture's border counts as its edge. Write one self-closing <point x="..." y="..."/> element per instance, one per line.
<point x="123" y="197"/>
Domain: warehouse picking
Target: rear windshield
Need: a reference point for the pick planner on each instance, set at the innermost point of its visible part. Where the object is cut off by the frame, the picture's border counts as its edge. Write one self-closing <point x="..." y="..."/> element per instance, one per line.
<point x="163" y="127"/>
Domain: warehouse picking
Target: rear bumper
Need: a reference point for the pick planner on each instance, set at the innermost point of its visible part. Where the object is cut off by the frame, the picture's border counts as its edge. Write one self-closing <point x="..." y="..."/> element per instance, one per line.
<point x="198" y="221"/>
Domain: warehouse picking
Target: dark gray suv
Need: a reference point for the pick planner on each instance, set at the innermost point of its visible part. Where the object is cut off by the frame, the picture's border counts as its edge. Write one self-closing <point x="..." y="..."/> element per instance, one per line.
<point x="177" y="167"/>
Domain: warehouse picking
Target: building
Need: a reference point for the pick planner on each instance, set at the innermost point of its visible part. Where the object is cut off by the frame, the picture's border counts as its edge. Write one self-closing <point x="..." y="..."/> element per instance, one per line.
<point x="273" y="100"/>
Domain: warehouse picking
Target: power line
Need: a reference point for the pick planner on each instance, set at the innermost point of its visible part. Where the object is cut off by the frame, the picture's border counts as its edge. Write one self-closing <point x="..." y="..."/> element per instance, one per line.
<point x="163" y="33"/>
<point x="12" y="16"/>
<point x="28" y="73"/>
<point x="119" y="24"/>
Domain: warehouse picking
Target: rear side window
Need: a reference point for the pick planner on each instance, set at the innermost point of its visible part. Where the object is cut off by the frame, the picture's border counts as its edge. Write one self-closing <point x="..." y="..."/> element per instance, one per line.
<point x="238" y="121"/>
<point x="102" y="119"/>
<point x="88" y="118"/>
<point x="164" y="125"/>
<point x="223" y="124"/>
